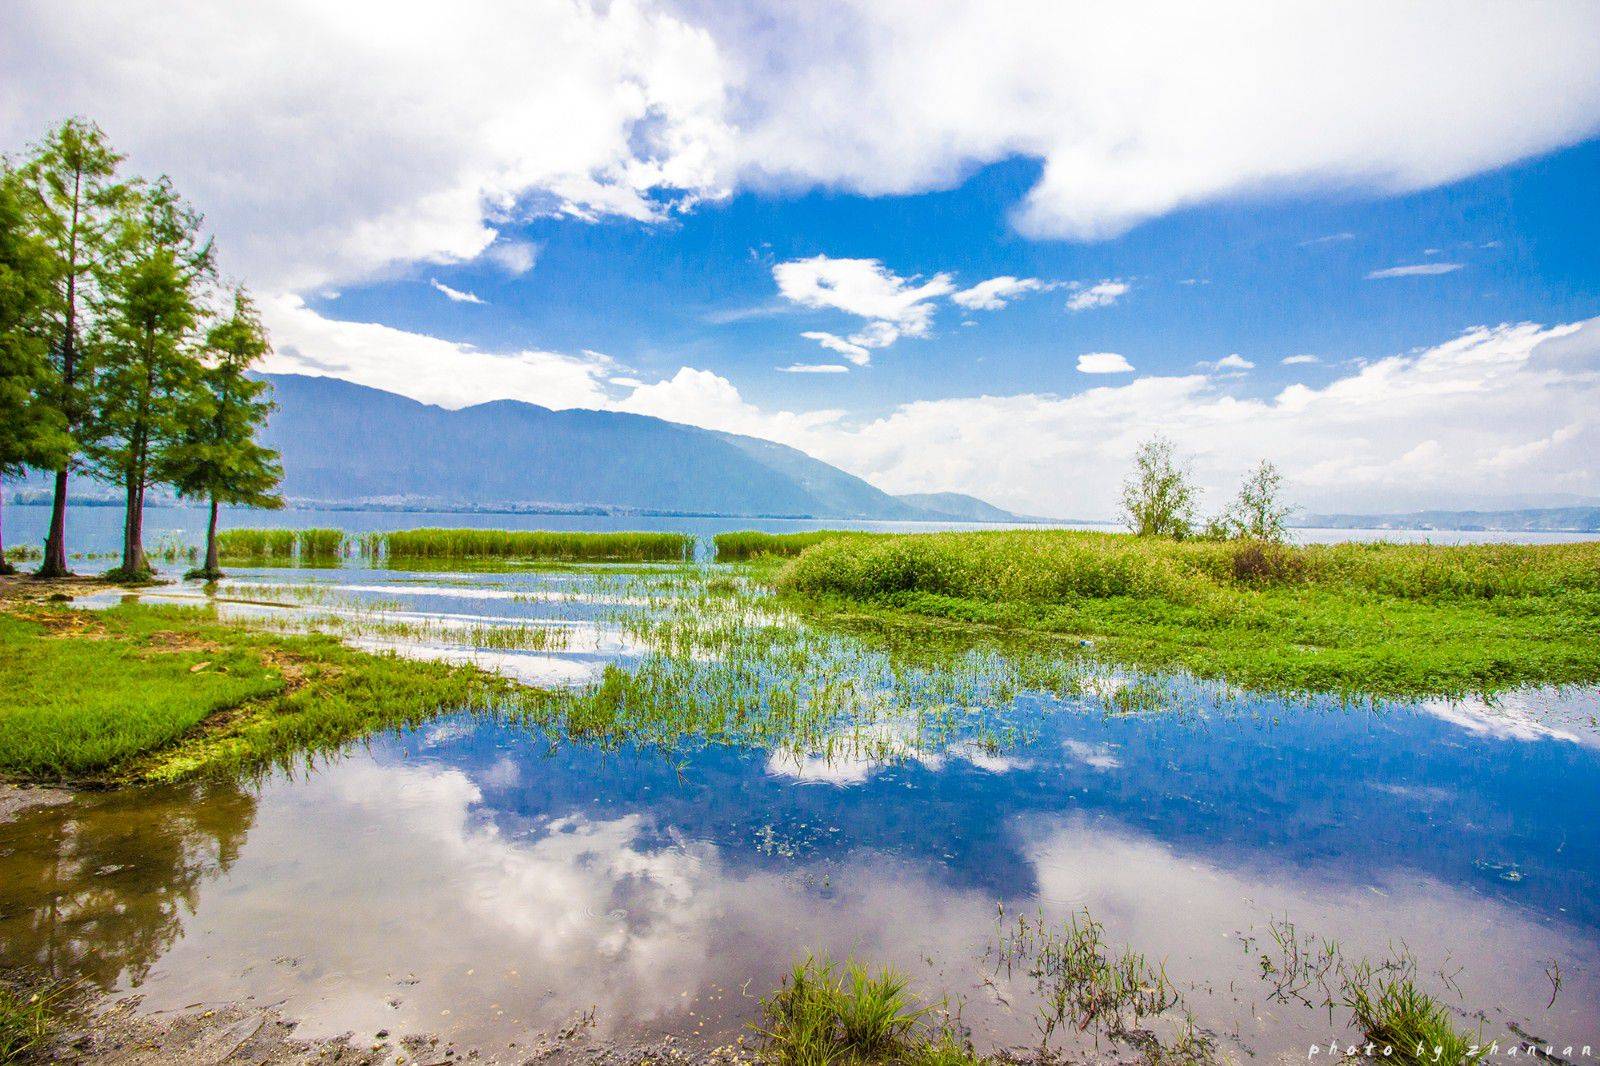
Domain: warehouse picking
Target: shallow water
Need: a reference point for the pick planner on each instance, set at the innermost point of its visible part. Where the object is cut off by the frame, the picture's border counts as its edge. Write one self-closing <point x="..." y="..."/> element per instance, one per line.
<point x="489" y="880"/>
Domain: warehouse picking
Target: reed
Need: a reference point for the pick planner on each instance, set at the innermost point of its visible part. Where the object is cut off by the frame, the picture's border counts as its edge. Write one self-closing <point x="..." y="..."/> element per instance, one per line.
<point x="256" y="543"/>
<point x="535" y="545"/>
<point x="319" y="543"/>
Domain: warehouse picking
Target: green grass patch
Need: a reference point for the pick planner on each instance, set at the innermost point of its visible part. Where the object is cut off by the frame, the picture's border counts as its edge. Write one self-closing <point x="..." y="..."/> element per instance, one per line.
<point x="824" y="1013"/>
<point x="1368" y="619"/>
<point x="533" y="544"/>
<point x="146" y="692"/>
<point x="256" y="543"/>
<point x="29" y="1017"/>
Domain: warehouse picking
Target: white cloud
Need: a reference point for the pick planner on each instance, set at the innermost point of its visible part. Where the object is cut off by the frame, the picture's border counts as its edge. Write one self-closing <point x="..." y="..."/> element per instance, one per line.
<point x="849" y="349"/>
<point x="456" y="295"/>
<point x="426" y="368"/>
<point x="995" y="293"/>
<point x="1414" y="270"/>
<point x="1235" y="362"/>
<point x="1103" y="363"/>
<point x="515" y="257"/>
<point x="865" y="288"/>
<point x="1136" y="111"/>
<point x="1100" y="294"/>
<point x="338" y="141"/>
<point x="1300" y="360"/>
<point x="1332" y="238"/>
<point x="814" y="368"/>
<point x="702" y="398"/>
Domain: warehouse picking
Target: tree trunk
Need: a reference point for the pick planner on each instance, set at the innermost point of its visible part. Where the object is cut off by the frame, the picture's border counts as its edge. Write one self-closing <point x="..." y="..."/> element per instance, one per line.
<point x="134" y="564"/>
<point x="5" y="567"/>
<point x="213" y="567"/>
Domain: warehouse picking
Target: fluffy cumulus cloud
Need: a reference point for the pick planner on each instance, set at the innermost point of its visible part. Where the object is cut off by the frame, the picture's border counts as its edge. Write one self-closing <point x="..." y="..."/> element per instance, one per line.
<point x="1103" y="363"/>
<point x="1100" y="294"/>
<point x="329" y="142"/>
<point x="995" y="293"/>
<point x="892" y="306"/>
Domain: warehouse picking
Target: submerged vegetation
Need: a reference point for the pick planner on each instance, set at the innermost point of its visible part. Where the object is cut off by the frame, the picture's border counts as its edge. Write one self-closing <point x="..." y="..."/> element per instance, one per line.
<point x="1370" y="619"/>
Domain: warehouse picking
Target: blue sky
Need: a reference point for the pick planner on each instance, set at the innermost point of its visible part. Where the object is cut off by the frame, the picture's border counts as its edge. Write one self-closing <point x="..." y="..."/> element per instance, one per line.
<point x="1267" y="279"/>
<point x="661" y="206"/>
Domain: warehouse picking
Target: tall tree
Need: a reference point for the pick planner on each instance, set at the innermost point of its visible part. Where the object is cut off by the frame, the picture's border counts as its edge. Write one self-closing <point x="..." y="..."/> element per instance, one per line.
<point x="72" y="194"/>
<point x="216" y="456"/>
<point x="148" y="311"/>
<point x="1158" y="499"/>
<point x="32" y="432"/>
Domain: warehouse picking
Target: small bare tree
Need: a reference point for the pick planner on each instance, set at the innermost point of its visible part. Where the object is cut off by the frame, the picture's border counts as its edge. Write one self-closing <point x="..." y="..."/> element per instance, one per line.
<point x="1158" y="497"/>
<point x="1258" y="512"/>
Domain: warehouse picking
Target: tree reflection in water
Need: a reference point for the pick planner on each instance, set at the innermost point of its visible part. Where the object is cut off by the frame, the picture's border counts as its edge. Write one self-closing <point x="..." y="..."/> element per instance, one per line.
<point x="96" y="890"/>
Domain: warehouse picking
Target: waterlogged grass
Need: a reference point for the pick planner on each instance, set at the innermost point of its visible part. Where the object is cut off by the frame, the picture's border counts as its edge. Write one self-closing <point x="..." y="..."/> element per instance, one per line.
<point x="142" y="692"/>
<point x="533" y="544"/>
<point x="1373" y="619"/>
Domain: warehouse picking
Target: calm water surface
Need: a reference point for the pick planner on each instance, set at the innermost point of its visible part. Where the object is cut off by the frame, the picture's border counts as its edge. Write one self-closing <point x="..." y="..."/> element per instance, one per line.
<point x="489" y="881"/>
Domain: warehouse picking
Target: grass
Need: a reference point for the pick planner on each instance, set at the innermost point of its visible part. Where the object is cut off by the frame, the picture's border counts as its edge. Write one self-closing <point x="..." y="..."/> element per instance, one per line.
<point x="825" y="1014"/>
<point x="158" y="693"/>
<point x="1369" y="619"/>
<point x="533" y="544"/>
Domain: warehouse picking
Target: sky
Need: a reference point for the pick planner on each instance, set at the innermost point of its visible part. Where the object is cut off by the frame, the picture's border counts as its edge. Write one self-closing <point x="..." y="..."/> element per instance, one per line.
<point x="977" y="247"/>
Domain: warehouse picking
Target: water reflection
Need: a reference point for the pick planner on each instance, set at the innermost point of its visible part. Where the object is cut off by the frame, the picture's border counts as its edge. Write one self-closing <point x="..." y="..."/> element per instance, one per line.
<point x="99" y="889"/>
<point x="480" y="882"/>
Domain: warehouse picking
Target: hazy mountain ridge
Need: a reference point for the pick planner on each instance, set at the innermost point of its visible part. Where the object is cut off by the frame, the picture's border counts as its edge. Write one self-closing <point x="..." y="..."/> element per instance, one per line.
<point x="1523" y="520"/>
<point x="353" y="445"/>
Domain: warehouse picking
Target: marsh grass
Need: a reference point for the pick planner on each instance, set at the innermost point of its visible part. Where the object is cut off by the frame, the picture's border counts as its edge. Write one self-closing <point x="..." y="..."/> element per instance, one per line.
<point x="1371" y="619"/>
<point x="532" y="544"/>
<point x="752" y="544"/>
<point x="1407" y="1025"/>
<point x="826" y="1014"/>
<point x="256" y="543"/>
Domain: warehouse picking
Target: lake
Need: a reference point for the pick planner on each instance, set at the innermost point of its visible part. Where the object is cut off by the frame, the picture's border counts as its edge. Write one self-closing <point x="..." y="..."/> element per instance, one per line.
<point x="491" y="880"/>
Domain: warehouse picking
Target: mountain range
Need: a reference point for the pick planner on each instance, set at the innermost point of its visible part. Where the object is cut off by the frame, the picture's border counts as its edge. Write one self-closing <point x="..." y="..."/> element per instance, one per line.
<point x="348" y="444"/>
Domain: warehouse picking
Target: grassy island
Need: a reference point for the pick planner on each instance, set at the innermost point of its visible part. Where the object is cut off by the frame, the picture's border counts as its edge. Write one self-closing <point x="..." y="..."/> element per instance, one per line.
<point x="1370" y="619"/>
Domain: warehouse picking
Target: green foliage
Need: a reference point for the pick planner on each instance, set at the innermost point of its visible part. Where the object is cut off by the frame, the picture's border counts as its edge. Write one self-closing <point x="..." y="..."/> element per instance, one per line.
<point x="1158" y="499"/>
<point x="536" y="544"/>
<point x="823" y="1015"/>
<point x="214" y="455"/>
<point x="32" y="431"/>
<point x="1371" y="619"/>
<point x="316" y="543"/>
